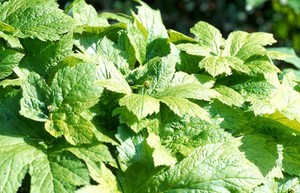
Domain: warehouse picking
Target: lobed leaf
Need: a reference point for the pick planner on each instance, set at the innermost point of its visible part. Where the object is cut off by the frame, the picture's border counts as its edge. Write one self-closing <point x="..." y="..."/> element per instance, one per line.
<point x="140" y="105"/>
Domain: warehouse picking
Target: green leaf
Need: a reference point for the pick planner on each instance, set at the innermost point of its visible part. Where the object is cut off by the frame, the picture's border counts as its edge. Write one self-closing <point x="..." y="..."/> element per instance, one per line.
<point x="188" y="63"/>
<point x="12" y="123"/>
<point x="108" y="51"/>
<point x="179" y="38"/>
<point x="12" y="42"/>
<point x="290" y="150"/>
<point x="210" y="37"/>
<point x="107" y="183"/>
<point x="115" y="85"/>
<point x="289" y="184"/>
<point x="138" y="40"/>
<point x="47" y="170"/>
<point x="135" y="160"/>
<point x="36" y="98"/>
<point x="258" y="87"/>
<point x="161" y="70"/>
<point x="262" y="151"/>
<point x="243" y="45"/>
<point x="160" y="154"/>
<point x="261" y="64"/>
<point x="216" y="167"/>
<point x="229" y="96"/>
<point x="87" y="14"/>
<point x="111" y="78"/>
<point x="75" y="128"/>
<point x="190" y="90"/>
<point x="232" y="119"/>
<point x="184" y="78"/>
<point x="140" y="105"/>
<point x="292" y="56"/>
<point x="9" y="60"/>
<point x="74" y="87"/>
<point x="291" y="125"/>
<point x="152" y="21"/>
<point x="126" y="117"/>
<point x="181" y="107"/>
<point x="35" y="20"/>
<point x="74" y="91"/>
<point x="286" y="99"/>
<point x="43" y="56"/>
<point x="195" y="49"/>
<point x="216" y="65"/>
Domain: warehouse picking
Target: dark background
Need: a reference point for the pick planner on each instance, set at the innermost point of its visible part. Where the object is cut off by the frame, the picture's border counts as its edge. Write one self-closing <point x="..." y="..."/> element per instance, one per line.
<point x="227" y="15"/>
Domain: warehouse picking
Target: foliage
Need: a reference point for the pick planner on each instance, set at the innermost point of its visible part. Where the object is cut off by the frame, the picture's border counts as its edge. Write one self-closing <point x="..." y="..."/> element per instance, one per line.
<point x="285" y="17"/>
<point x="90" y="105"/>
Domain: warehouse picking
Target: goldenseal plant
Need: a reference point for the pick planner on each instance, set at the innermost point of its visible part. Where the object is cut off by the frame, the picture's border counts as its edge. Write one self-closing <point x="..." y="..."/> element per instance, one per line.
<point x="117" y="103"/>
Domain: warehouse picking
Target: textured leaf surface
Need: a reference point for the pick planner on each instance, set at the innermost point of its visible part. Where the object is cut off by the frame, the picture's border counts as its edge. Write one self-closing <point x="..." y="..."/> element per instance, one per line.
<point x="243" y="44"/>
<point x="229" y="96"/>
<point x="42" y="57"/>
<point x="211" y="168"/>
<point x="9" y="60"/>
<point x="209" y="36"/>
<point x="108" y="51"/>
<point x="140" y="105"/>
<point x="36" y="98"/>
<point x="191" y="91"/>
<point x="74" y="91"/>
<point x="136" y="162"/>
<point x="34" y="20"/>
<point x="181" y="107"/>
<point x="49" y="173"/>
<point x="152" y="21"/>
<point x="86" y="14"/>
<point x="161" y="156"/>
<point x="138" y="40"/>
<point x="215" y="65"/>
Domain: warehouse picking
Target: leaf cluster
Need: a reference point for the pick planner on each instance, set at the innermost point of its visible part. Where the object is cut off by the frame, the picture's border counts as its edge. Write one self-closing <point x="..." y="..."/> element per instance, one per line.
<point x="117" y="103"/>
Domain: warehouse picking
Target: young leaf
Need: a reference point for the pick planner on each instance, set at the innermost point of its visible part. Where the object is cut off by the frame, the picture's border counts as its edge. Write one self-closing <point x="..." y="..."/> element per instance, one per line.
<point x="261" y="64"/>
<point x="243" y="45"/>
<point x="210" y="38"/>
<point x="87" y="14"/>
<point x="216" y="65"/>
<point x="140" y="105"/>
<point x="108" y="183"/>
<point x="184" y="78"/>
<point x="111" y="78"/>
<point x="74" y="87"/>
<point x="152" y="21"/>
<point x="138" y="40"/>
<point x="291" y="58"/>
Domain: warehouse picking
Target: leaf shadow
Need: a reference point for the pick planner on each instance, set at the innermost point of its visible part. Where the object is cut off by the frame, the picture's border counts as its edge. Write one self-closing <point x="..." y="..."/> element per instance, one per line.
<point x="262" y="151"/>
